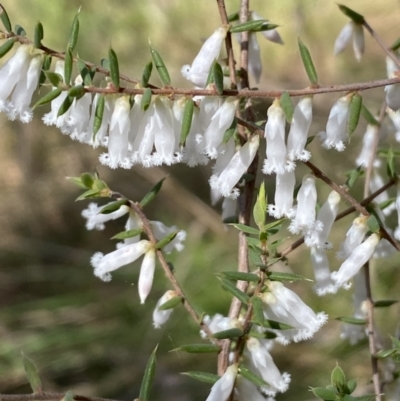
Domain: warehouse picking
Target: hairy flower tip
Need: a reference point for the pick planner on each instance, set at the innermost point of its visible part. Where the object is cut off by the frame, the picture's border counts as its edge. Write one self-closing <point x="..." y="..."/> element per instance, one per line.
<point x="349" y="30"/>
<point x="299" y="128"/>
<point x="258" y="356"/>
<point x="354" y="236"/>
<point x="104" y="264"/>
<point x="323" y="281"/>
<point x="146" y="274"/>
<point x="218" y="323"/>
<point x="222" y="389"/>
<point x="359" y="256"/>
<point x="95" y="220"/>
<point x="160" y="231"/>
<point x="336" y="127"/>
<point x="283" y="305"/>
<point x="225" y="182"/>
<point x="283" y="198"/>
<point x="198" y="72"/>
<point x="160" y="317"/>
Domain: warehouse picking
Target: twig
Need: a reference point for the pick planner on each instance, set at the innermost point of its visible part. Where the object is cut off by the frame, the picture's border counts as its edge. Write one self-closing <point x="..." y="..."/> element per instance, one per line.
<point x="44" y="396"/>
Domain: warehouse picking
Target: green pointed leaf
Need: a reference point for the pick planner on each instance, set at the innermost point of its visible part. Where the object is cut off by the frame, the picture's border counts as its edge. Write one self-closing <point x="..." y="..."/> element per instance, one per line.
<point x="171" y="303"/>
<point x="230" y="333"/>
<point x="258" y="314"/>
<point x="19" y="30"/>
<point x="6" y="47"/>
<point x="114" y="206"/>
<point x="287" y="106"/>
<point x="235" y="275"/>
<point x="127" y="234"/>
<point x="231" y="287"/>
<point x="98" y="115"/>
<point x="114" y="68"/>
<point x="77" y="181"/>
<point x="246" y="229"/>
<point x="148" y="377"/>
<point x="274" y="227"/>
<point x="67" y="103"/>
<point x="160" y="66"/>
<point x="38" y="35"/>
<point x="371" y="209"/>
<point x="352" y="385"/>
<point x="73" y="36"/>
<point x="90" y="194"/>
<point x="4" y="19"/>
<point x="354" y="113"/>
<point x="253" y="26"/>
<point x="357" y="18"/>
<point x="45" y="67"/>
<point x="47" y="98"/>
<point x="54" y="78"/>
<point x="384" y="303"/>
<point x="198" y="348"/>
<point x="86" y="73"/>
<point x="186" y="120"/>
<point x="202" y="376"/>
<point x="324" y="393"/>
<point x="146" y="99"/>
<point x="278" y="276"/>
<point x="148" y="68"/>
<point x="383" y="205"/>
<point x="152" y="194"/>
<point x="386" y="353"/>
<point x="233" y="17"/>
<point x="373" y="224"/>
<point x="310" y="139"/>
<point x="77" y="91"/>
<point x="87" y="180"/>
<point x="272" y="324"/>
<point x="166" y="240"/>
<point x="351" y="320"/>
<point x="396" y="45"/>
<point x="218" y="77"/>
<point x="230" y="131"/>
<point x="32" y="374"/>
<point x="260" y="207"/>
<point x="308" y="63"/>
<point x="251" y="376"/>
<point x="338" y="378"/>
<point x="254" y="243"/>
<point x="68" y="64"/>
<point x="368" y="116"/>
<point x="390" y="167"/>
<point x="353" y="176"/>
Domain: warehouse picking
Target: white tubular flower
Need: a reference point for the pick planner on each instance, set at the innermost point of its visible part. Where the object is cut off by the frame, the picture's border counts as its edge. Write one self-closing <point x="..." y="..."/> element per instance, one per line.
<point x="336" y="127"/>
<point x="323" y="281"/>
<point x="117" y="155"/>
<point x="146" y="274"/>
<point x="23" y="92"/>
<point x="218" y="323"/>
<point x="360" y="255"/>
<point x="197" y="73"/>
<point x="261" y="360"/>
<point x="397" y="230"/>
<point x="95" y="220"/>
<point x="104" y="264"/>
<point x="178" y="109"/>
<point x="304" y="219"/>
<point x="365" y="155"/>
<point x="135" y="115"/>
<point x="391" y="66"/>
<point x="245" y="390"/>
<point x="225" y="153"/>
<point x="240" y="162"/>
<point x="13" y="72"/>
<point x="160" y="231"/>
<point x="354" y="236"/>
<point x="393" y="95"/>
<point x="395" y="118"/>
<point x="255" y="66"/>
<point x="215" y="131"/>
<point x="349" y="30"/>
<point x="299" y="128"/>
<point x="222" y="389"/>
<point x="283" y="198"/>
<point x="375" y="183"/>
<point x="209" y="105"/>
<point x="161" y="316"/>
<point x="283" y="305"/>
<point x="133" y="223"/>
<point x="276" y="161"/>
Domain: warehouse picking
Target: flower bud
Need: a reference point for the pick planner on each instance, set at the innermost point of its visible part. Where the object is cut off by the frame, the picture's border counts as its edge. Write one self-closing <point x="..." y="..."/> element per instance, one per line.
<point x="146" y="274"/>
<point x="161" y="316"/>
<point x="222" y="389"/>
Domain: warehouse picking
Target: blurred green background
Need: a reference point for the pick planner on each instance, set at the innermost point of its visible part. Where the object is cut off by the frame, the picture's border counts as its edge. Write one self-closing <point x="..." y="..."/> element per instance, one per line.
<point x="95" y="337"/>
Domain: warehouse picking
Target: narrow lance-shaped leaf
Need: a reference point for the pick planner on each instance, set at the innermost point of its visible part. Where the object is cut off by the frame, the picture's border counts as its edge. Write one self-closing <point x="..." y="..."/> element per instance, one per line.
<point x="77" y="91"/>
<point x="73" y="37"/>
<point x="114" y="67"/>
<point x="396" y="45"/>
<point x="258" y="314"/>
<point x="87" y="180"/>
<point x="233" y="17"/>
<point x="160" y="66"/>
<point x="338" y="378"/>
<point x="54" y="78"/>
<point x="127" y="234"/>
<point x="171" y="303"/>
<point x="356" y="17"/>
<point x="253" y="26"/>
<point x="384" y="303"/>
<point x="351" y="320"/>
<point x="5" y="19"/>
<point x="86" y="74"/>
<point x="278" y="276"/>
<point x="354" y="113"/>
<point x="386" y="353"/>
<point x="47" y="98"/>
<point x="146" y="99"/>
<point x="231" y="287"/>
<point x="166" y="240"/>
<point x="287" y="106"/>
<point x="186" y="120"/>
<point x="308" y="63"/>
<point x="148" y="377"/>
<point x="246" y="229"/>
<point x="368" y="116"/>
<point x="19" y="30"/>
<point x="354" y="175"/>
<point x="38" y="35"/>
<point x="260" y="207"/>
<point x="68" y="64"/>
<point x="6" y="47"/>
<point x="390" y="167"/>
<point x="32" y="374"/>
<point x="241" y="276"/>
<point x="228" y="334"/>
<point x="67" y="103"/>
<point x="230" y="131"/>
<point x="148" y="68"/>
<point x="98" y="115"/>
<point x="202" y="376"/>
<point x="323" y="393"/>
<point x="77" y="181"/>
<point x="373" y="224"/>
<point x="114" y="206"/>
<point x="251" y="376"/>
<point x="45" y="67"/>
<point x="152" y="194"/>
<point x="218" y="78"/>
<point x="198" y="348"/>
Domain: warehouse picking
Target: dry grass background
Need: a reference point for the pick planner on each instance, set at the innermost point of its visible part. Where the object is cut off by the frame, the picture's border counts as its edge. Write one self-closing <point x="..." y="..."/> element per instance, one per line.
<point x="93" y="337"/>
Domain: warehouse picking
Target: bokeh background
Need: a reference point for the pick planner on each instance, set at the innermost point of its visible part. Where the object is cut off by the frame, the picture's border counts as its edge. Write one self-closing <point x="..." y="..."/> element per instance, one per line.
<point x="94" y="337"/>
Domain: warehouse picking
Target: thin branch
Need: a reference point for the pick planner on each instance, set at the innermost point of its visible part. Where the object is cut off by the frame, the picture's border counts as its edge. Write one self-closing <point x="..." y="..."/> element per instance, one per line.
<point x="44" y="396"/>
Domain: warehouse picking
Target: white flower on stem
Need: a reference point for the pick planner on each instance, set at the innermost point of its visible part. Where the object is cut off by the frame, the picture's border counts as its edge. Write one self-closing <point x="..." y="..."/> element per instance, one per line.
<point x="218" y="323"/>
<point x="225" y="153"/>
<point x="397" y="203"/>
<point x="245" y="390"/>
<point x="178" y="109"/>
<point x="322" y="273"/>
<point x="276" y="161"/>
<point x="133" y="223"/>
<point x="376" y="182"/>
<point x="117" y="155"/>
<point x="392" y="91"/>
<point x="160" y="231"/>
<point x="391" y="67"/>
<point x="95" y="220"/>
<point x="222" y="389"/>
<point x="104" y="264"/>
<point x="197" y="73"/>
<point x="349" y="30"/>
<point x="135" y="115"/>
<point x="283" y="305"/>
<point x="354" y="236"/>
<point x="161" y="316"/>
<point x="261" y="360"/>
<point x="336" y="127"/>
<point x="360" y="255"/>
<point x="146" y="274"/>
<point x="209" y="105"/>
<point x="366" y="154"/>
<point x="299" y="128"/>
<point x="395" y="118"/>
<point x="225" y="182"/>
<point x="283" y="197"/>
<point x="254" y="57"/>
